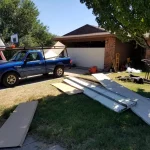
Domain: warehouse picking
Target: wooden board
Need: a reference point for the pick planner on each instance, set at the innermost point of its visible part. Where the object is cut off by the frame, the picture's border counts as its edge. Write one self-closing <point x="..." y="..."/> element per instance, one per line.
<point x="95" y="96"/>
<point x="14" y="130"/>
<point x="67" y="88"/>
<point x="141" y="109"/>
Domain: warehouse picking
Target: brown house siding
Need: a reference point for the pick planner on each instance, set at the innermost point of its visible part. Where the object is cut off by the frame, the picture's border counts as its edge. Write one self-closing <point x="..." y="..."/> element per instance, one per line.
<point x="124" y="49"/>
<point x="147" y="54"/>
<point x="113" y="46"/>
<point x="110" y="46"/>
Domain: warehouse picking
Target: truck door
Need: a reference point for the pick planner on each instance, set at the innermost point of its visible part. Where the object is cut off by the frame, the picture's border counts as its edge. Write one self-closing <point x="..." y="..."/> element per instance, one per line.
<point x="33" y="65"/>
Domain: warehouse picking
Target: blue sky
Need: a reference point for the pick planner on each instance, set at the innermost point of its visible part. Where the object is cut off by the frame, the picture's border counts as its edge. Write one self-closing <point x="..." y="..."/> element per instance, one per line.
<point x="63" y="16"/>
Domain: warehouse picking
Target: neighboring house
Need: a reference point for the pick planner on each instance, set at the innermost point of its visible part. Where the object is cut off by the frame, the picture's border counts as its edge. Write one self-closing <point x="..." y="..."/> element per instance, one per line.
<point x="93" y="46"/>
<point x="147" y="55"/>
<point x="2" y="48"/>
<point x="55" y="51"/>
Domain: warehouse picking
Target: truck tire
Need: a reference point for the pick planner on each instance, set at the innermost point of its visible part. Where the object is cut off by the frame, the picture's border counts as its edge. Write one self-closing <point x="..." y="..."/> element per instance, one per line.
<point x="10" y="79"/>
<point x="59" y="71"/>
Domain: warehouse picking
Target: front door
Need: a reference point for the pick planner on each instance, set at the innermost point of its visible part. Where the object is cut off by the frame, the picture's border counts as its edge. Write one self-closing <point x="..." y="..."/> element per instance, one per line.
<point x="33" y="65"/>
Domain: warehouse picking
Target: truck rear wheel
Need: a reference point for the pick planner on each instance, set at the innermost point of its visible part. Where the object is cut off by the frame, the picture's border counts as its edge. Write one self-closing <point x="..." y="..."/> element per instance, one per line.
<point x="59" y="71"/>
<point x="10" y="79"/>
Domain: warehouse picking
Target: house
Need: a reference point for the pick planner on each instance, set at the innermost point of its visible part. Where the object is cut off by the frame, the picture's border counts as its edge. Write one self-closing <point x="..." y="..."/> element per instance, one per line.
<point x="54" y="51"/>
<point x="2" y="48"/>
<point x="147" y="53"/>
<point x="93" y="46"/>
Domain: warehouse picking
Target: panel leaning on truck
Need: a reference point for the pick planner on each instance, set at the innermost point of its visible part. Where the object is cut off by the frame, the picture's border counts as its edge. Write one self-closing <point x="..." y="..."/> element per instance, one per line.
<point x="26" y="63"/>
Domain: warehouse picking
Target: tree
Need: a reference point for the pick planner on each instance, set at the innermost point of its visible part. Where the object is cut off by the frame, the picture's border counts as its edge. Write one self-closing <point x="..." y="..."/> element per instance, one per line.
<point x="38" y="37"/>
<point x="20" y="17"/>
<point x="127" y="19"/>
<point x="42" y="35"/>
<point x="17" y="17"/>
<point x="28" y="41"/>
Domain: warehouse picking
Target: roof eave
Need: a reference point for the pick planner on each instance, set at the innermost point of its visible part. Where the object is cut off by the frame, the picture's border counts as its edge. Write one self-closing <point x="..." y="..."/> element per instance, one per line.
<point x="88" y="36"/>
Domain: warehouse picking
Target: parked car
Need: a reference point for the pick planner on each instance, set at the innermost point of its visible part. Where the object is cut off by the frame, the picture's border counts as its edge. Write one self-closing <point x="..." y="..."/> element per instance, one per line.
<point x="28" y="63"/>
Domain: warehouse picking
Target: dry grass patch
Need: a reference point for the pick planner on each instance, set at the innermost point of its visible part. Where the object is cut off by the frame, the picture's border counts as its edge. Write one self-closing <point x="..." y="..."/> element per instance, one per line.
<point x="28" y="90"/>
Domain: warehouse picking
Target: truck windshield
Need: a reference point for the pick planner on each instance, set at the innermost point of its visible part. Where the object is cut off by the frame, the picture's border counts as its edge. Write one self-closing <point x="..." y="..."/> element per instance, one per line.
<point x="18" y="56"/>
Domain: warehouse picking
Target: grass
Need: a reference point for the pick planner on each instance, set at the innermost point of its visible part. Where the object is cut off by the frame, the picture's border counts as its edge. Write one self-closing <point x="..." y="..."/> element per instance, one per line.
<point x="77" y="122"/>
<point x="142" y="89"/>
<point x="80" y="123"/>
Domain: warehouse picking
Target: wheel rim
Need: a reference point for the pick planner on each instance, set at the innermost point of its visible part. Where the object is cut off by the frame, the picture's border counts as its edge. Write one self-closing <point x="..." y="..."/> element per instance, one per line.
<point x="59" y="71"/>
<point x="11" y="79"/>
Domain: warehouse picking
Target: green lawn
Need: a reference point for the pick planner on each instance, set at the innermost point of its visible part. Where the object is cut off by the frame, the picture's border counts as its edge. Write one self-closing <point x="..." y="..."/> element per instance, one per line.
<point x="80" y="123"/>
<point x="143" y="89"/>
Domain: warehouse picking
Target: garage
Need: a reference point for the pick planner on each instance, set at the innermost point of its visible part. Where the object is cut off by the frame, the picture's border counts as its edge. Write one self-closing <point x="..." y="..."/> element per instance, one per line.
<point x="84" y="47"/>
<point x="82" y="56"/>
<point x="93" y="46"/>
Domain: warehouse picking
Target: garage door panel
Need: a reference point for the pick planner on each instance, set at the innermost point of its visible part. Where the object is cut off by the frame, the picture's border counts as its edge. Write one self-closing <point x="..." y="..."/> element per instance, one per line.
<point x="87" y="57"/>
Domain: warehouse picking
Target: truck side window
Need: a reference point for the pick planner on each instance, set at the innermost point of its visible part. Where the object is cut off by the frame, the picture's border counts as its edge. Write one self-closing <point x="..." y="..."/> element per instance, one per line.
<point x="33" y="57"/>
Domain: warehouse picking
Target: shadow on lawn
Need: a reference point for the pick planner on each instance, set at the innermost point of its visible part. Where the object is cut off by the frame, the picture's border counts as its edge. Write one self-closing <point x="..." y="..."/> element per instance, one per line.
<point x="81" y="123"/>
<point x="143" y="93"/>
<point x="5" y="114"/>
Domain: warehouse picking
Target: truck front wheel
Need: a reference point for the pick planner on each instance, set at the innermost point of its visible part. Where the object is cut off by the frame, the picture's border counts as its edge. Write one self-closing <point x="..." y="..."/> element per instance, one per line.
<point x="10" y="79"/>
<point x="59" y="71"/>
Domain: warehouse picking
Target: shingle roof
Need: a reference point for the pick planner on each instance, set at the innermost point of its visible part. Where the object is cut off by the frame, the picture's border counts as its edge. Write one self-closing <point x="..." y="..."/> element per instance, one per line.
<point x="86" y="29"/>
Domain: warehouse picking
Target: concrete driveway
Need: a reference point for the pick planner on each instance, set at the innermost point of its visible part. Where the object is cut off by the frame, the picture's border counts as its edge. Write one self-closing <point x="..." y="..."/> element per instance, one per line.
<point x="76" y="71"/>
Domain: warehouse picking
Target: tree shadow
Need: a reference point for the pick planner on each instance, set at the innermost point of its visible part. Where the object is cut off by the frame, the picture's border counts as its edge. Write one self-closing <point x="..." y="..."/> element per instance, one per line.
<point x="143" y="93"/>
<point x="6" y="113"/>
<point x="73" y="120"/>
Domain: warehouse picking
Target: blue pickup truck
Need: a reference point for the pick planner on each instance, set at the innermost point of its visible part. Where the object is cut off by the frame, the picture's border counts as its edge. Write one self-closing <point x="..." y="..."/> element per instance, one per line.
<point x="28" y="63"/>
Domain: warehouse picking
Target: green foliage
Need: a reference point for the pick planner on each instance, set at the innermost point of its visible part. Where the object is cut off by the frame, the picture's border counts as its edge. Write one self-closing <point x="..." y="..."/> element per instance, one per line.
<point x="41" y="33"/>
<point x="128" y="19"/>
<point x="21" y="17"/>
<point x="28" y="41"/>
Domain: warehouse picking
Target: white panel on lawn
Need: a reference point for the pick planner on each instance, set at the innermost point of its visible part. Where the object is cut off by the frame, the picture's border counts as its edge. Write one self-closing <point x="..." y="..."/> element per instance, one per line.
<point x="67" y="88"/>
<point x="103" y="100"/>
<point x="14" y="130"/>
<point x="142" y="108"/>
<point x="87" y="57"/>
<point x="107" y="93"/>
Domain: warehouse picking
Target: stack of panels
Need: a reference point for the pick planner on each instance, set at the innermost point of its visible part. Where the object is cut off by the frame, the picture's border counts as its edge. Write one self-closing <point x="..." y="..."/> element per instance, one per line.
<point x="141" y="109"/>
<point x="106" y="93"/>
<point x="96" y="96"/>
